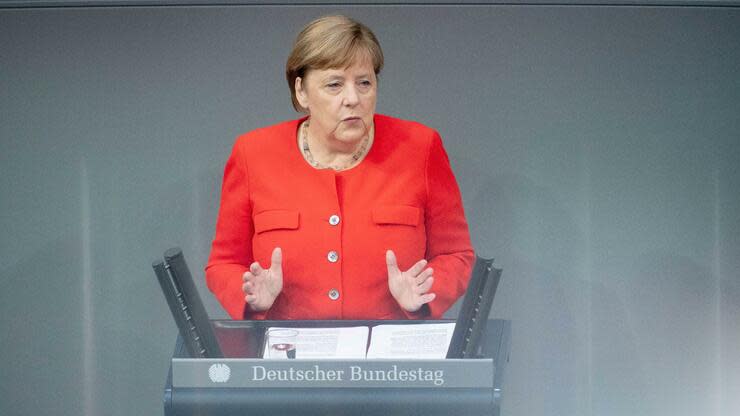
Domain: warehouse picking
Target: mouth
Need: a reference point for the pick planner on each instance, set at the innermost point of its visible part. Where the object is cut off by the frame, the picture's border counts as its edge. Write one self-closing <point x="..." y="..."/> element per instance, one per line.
<point x="351" y="119"/>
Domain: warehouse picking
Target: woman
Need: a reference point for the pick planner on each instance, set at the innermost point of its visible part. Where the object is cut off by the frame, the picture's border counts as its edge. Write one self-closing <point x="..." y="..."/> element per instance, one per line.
<point x="344" y="213"/>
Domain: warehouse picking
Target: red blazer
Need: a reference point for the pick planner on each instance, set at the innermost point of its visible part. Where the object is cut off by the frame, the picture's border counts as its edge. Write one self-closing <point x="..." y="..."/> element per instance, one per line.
<point x="403" y="196"/>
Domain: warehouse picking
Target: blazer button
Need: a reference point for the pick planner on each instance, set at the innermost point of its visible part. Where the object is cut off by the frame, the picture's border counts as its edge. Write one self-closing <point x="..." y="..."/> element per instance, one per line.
<point x="333" y="294"/>
<point x="334" y="219"/>
<point x="332" y="256"/>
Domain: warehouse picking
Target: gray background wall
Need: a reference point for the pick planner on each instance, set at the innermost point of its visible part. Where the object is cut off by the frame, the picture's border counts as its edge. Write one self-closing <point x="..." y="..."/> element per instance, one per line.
<point x="596" y="148"/>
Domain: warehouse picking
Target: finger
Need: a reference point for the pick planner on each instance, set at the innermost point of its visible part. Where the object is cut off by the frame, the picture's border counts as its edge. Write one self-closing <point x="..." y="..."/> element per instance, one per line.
<point x="255" y="268"/>
<point x="391" y="263"/>
<point x="418" y="267"/>
<point x="248" y="290"/>
<point x="277" y="260"/>
<point x="424" y="287"/>
<point x="423" y="276"/>
<point x="248" y="276"/>
<point x="251" y="299"/>
<point x="426" y="298"/>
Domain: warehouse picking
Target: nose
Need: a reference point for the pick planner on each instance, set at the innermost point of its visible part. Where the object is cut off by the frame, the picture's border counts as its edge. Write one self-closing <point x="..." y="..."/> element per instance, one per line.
<point x="351" y="96"/>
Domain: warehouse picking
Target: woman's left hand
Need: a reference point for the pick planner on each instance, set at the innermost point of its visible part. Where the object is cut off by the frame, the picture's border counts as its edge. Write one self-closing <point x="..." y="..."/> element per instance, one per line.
<point x="409" y="288"/>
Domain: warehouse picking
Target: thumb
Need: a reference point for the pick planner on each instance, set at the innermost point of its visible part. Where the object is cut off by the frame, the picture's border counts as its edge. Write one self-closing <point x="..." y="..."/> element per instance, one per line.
<point x="391" y="263"/>
<point x="277" y="260"/>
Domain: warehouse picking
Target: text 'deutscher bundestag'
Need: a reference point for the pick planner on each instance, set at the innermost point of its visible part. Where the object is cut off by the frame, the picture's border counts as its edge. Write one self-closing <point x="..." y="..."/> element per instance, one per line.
<point x="257" y="373"/>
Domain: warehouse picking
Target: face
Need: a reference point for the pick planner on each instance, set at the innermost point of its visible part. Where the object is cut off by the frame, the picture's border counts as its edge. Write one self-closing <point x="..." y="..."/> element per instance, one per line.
<point x="341" y="102"/>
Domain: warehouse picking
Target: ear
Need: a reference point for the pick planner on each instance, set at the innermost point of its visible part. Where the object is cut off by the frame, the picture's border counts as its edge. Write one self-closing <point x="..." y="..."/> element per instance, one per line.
<point x="300" y="93"/>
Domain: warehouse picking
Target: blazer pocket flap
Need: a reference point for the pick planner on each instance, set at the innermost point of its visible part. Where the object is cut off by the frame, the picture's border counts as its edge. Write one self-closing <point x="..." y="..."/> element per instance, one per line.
<point x="400" y="214"/>
<point x="276" y="220"/>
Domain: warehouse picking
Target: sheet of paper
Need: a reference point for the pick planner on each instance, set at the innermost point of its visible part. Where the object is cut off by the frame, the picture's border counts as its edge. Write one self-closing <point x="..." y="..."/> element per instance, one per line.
<point x="422" y="341"/>
<point x="319" y="343"/>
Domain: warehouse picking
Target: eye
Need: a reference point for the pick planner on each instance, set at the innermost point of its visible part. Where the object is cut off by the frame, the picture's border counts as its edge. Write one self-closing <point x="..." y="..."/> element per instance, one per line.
<point x="333" y="85"/>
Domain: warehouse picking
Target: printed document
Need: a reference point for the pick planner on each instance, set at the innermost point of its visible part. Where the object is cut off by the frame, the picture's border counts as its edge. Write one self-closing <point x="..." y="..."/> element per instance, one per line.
<point x="339" y="343"/>
<point x="409" y="341"/>
<point x="428" y="341"/>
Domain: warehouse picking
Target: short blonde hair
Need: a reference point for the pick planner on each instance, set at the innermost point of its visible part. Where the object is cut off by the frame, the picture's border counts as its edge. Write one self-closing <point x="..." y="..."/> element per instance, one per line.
<point x="330" y="42"/>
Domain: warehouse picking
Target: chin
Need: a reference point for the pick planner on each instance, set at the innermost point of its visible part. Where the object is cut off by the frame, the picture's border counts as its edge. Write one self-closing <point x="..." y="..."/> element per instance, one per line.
<point x="350" y="138"/>
<point x="352" y="134"/>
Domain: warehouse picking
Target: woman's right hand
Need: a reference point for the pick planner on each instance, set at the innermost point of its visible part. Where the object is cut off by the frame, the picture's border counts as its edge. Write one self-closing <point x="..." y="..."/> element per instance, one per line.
<point x="262" y="286"/>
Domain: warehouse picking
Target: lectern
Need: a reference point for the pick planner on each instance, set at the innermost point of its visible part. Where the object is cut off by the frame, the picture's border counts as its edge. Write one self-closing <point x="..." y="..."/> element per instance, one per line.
<point x="216" y="369"/>
<point x="245" y="385"/>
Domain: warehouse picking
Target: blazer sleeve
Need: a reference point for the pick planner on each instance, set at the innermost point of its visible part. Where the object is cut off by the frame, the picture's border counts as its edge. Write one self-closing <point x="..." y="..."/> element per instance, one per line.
<point x="449" y="250"/>
<point x="231" y="251"/>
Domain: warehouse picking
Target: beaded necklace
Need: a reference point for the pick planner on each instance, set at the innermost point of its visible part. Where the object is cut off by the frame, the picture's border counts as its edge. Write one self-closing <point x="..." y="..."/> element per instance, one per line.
<point x="316" y="164"/>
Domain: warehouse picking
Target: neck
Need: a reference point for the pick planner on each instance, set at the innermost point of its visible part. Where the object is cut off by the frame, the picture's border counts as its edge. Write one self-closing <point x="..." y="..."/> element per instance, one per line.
<point x="332" y="153"/>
